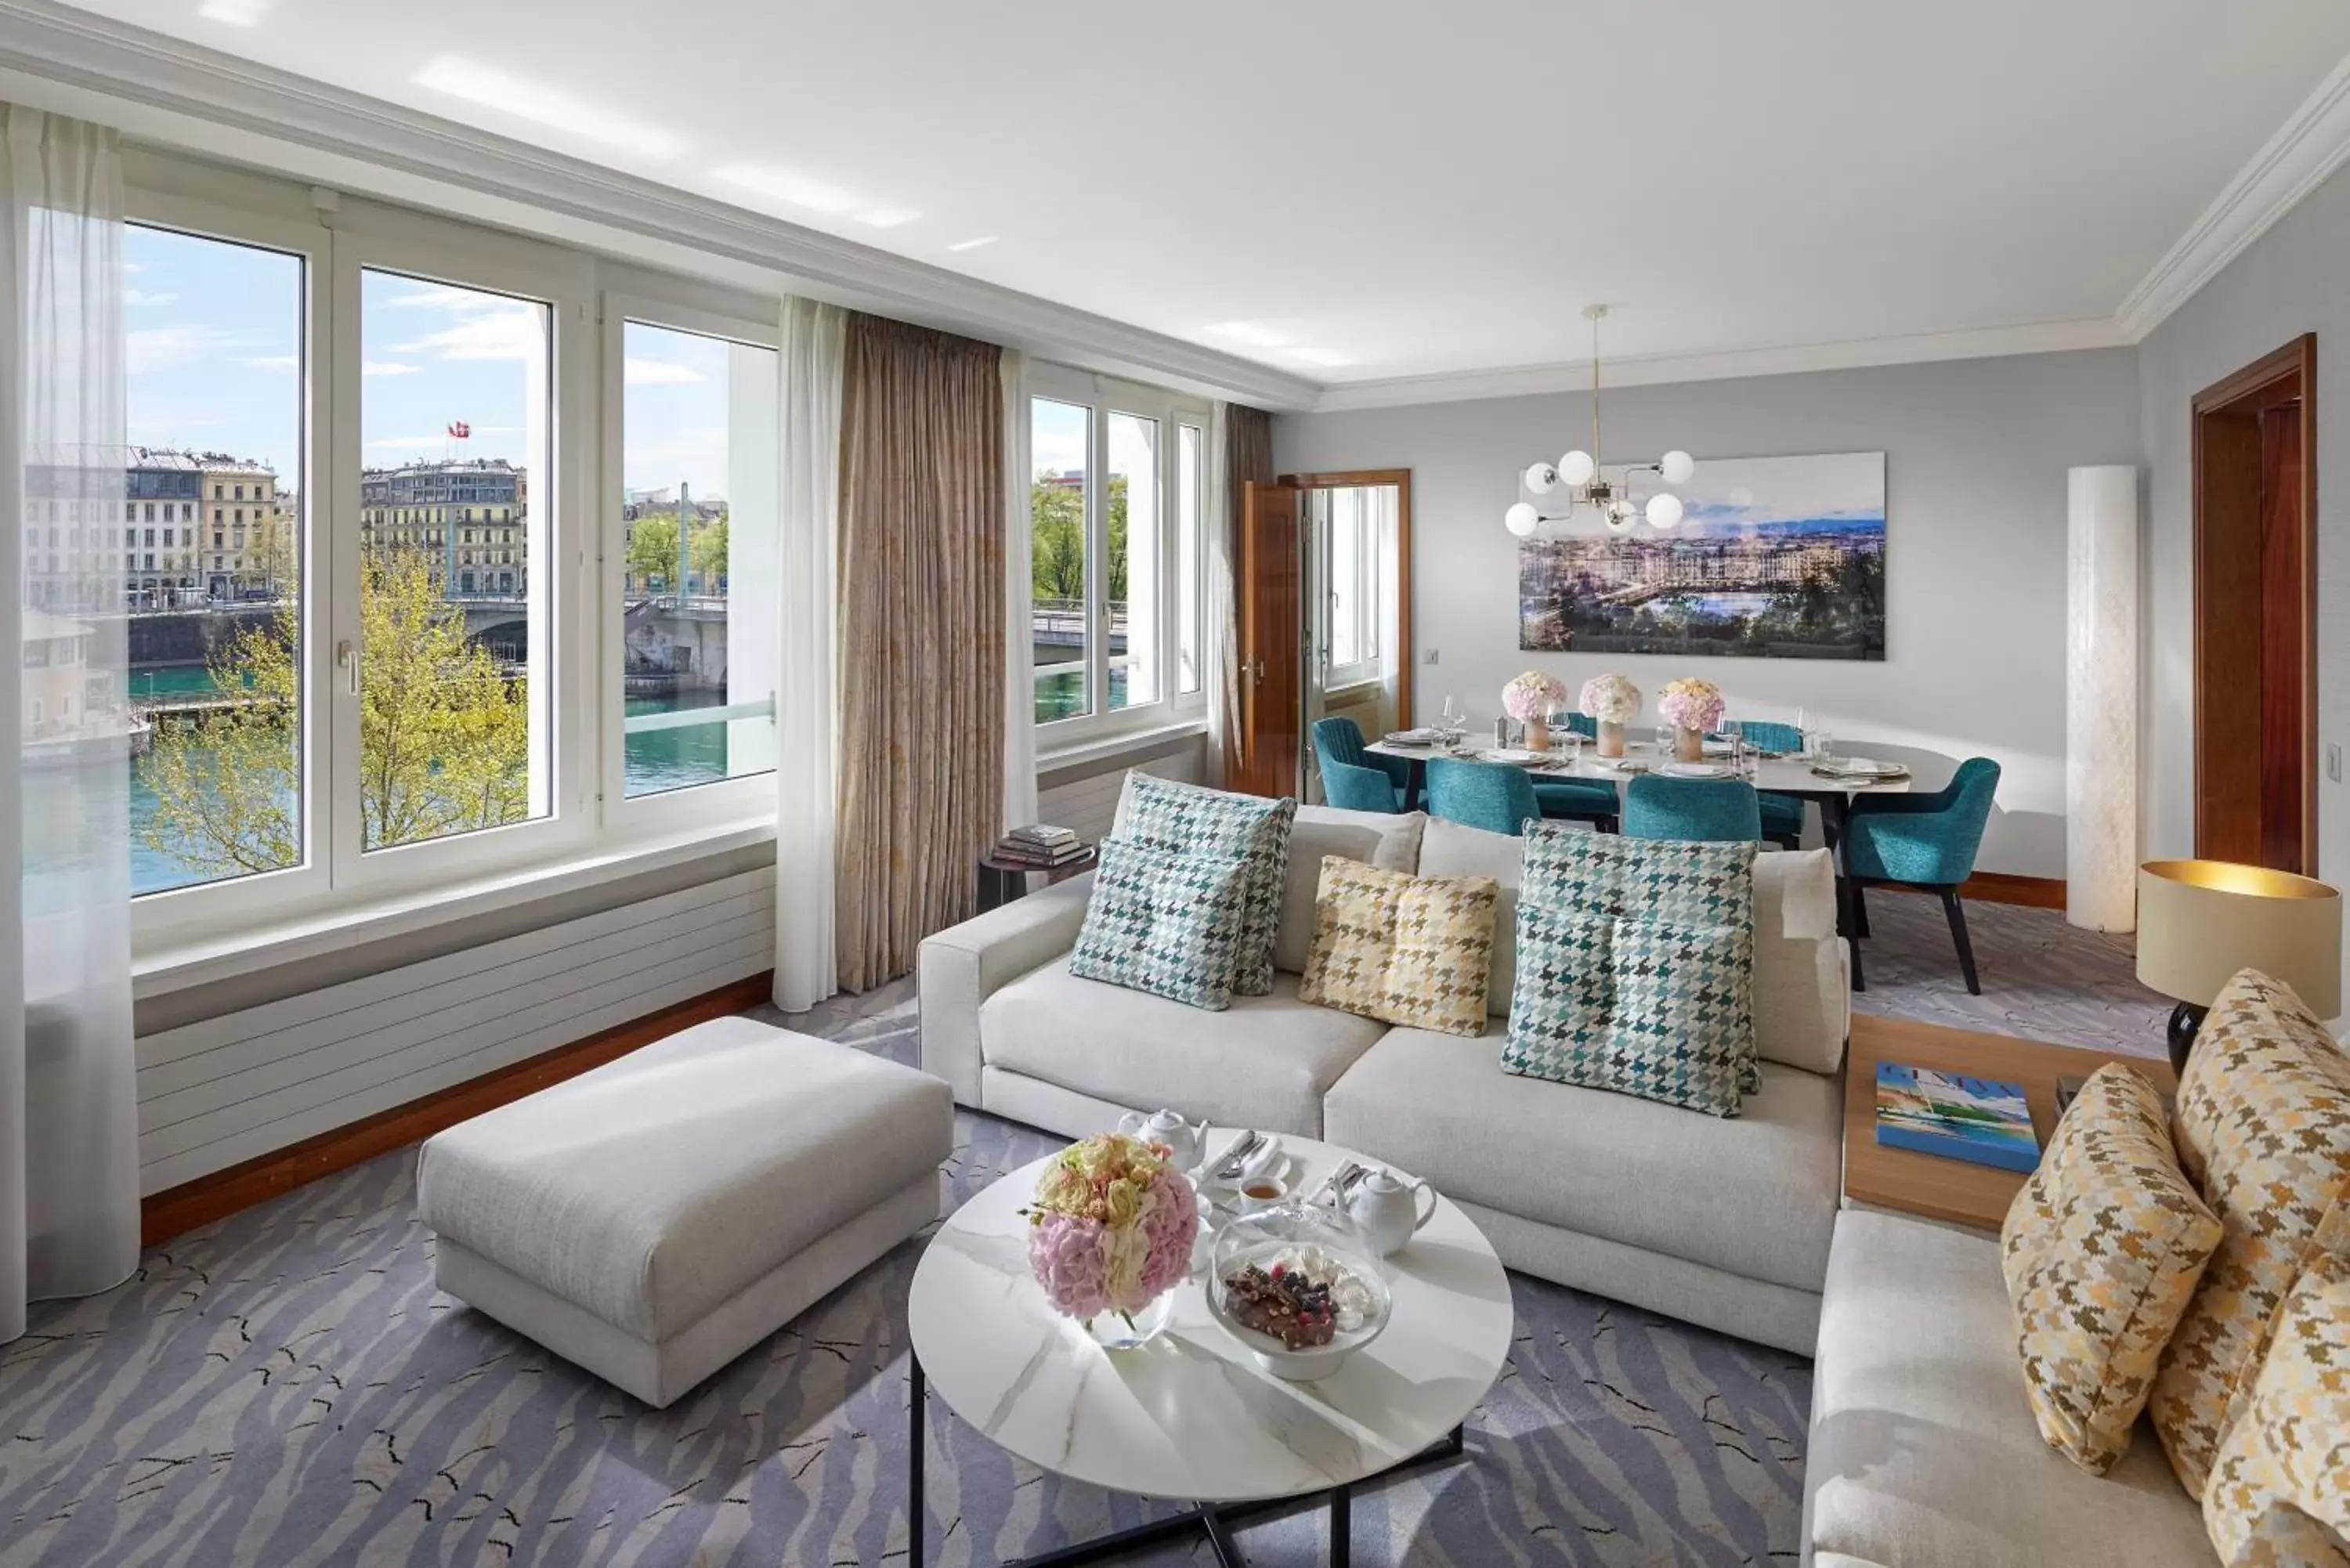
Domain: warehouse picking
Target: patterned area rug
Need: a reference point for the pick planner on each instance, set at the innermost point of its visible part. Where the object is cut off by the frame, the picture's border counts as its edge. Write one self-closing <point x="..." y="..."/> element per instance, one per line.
<point x="286" y="1389"/>
<point x="2042" y="978"/>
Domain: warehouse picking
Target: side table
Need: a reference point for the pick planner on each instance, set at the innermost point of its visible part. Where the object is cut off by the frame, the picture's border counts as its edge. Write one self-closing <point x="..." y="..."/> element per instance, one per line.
<point x="1955" y="1191"/>
<point x="1001" y="880"/>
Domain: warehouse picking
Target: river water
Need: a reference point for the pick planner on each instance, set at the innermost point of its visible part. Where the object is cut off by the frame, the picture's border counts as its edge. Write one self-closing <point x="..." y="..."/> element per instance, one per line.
<point x="660" y="760"/>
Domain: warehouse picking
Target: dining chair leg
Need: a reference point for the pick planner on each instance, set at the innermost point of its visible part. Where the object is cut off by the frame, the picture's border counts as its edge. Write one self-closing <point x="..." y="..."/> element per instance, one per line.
<point x="1608" y="825"/>
<point x="1860" y="909"/>
<point x="1951" y="907"/>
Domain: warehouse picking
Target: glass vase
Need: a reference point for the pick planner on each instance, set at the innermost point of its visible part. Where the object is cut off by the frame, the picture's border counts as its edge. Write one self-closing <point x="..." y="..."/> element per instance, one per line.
<point x="1537" y="735"/>
<point x="1689" y="745"/>
<point x="1132" y="1331"/>
<point x="1611" y="739"/>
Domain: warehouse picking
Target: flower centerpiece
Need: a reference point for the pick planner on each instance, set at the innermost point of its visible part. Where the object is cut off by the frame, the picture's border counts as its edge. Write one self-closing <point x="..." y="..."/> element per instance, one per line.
<point x="1613" y="702"/>
<point x="1530" y="700"/>
<point x="1691" y="707"/>
<point x="1110" y="1236"/>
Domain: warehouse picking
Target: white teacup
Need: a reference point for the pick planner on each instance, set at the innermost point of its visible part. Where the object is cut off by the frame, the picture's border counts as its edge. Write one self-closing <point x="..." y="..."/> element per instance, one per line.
<point x="1262" y="1191"/>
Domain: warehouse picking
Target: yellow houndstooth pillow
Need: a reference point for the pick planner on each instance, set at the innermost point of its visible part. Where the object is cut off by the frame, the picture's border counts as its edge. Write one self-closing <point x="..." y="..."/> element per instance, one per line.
<point x="2284" y="1468"/>
<point x="2263" y="1131"/>
<point x="1414" y="950"/>
<point x="2101" y="1248"/>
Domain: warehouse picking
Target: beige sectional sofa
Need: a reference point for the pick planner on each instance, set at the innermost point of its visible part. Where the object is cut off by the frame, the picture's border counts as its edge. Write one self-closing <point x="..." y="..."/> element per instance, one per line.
<point x="1720" y="1222"/>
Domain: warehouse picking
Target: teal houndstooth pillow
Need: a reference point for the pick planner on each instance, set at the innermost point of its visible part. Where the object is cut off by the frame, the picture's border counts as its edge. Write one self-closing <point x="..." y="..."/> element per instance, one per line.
<point x="1636" y="967"/>
<point x="1159" y="813"/>
<point x="1164" y="922"/>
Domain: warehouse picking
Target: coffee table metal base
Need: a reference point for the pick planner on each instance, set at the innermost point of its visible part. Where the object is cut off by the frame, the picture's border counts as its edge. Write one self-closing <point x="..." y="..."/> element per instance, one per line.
<point x="1214" y="1522"/>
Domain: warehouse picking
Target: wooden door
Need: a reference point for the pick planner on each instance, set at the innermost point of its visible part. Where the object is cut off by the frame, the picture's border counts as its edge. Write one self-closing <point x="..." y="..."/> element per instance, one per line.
<point x="1270" y="615"/>
<point x="2255" y="586"/>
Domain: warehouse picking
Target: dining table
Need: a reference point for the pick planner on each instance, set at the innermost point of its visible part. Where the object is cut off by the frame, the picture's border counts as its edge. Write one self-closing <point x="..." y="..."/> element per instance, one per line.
<point x="1796" y="776"/>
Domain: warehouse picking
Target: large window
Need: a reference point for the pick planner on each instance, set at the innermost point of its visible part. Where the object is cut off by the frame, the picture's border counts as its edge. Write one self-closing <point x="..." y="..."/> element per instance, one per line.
<point x="1115" y="578"/>
<point x="700" y="421"/>
<point x="1358" y="522"/>
<point x="213" y="405"/>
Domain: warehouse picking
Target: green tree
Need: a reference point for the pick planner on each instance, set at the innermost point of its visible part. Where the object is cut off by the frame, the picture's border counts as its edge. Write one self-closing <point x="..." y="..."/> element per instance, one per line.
<point x="653" y="551"/>
<point x="1057" y="520"/>
<point x="710" y="550"/>
<point x="444" y="735"/>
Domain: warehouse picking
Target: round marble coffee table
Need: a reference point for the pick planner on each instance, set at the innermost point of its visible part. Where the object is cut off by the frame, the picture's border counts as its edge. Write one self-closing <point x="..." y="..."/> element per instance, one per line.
<point x="1191" y="1416"/>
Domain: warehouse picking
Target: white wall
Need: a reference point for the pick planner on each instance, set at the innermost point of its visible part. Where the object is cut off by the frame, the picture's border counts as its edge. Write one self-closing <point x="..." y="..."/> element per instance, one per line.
<point x="1975" y="458"/>
<point x="2290" y="281"/>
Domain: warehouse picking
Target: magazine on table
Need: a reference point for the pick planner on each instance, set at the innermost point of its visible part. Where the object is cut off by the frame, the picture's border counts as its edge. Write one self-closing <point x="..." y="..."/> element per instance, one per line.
<point x="1956" y="1117"/>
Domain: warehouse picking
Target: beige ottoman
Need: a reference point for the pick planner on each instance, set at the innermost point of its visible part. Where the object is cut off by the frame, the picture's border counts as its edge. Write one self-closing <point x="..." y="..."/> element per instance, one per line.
<point x="657" y="1216"/>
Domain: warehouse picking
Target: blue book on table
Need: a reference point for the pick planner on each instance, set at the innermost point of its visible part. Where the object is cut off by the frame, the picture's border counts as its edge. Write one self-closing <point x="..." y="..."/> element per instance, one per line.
<point x="1956" y="1117"/>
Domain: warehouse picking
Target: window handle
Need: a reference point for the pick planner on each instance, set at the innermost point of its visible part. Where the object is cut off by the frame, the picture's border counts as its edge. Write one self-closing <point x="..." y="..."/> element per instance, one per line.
<point x="347" y="659"/>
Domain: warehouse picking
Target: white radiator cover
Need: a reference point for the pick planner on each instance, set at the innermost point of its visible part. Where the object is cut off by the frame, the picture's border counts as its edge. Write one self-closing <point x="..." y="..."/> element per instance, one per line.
<point x="213" y="1093"/>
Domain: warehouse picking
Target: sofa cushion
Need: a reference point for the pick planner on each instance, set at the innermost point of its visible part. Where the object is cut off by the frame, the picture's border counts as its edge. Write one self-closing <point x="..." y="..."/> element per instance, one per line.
<point x="1754" y="1197"/>
<point x="1165" y="921"/>
<point x="1402" y="948"/>
<point x="2263" y="1131"/>
<point x="1264" y="1063"/>
<point x="1453" y="849"/>
<point x="2291" y="1443"/>
<point x="1636" y="967"/>
<point x="2101" y="1251"/>
<point x="1391" y="843"/>
<point x="1923" y="1452"/>
<point x="1162" y="814"/>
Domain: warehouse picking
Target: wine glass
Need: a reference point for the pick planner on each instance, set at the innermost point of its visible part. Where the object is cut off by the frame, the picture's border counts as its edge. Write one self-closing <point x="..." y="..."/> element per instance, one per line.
<point x="1456" y="720"/>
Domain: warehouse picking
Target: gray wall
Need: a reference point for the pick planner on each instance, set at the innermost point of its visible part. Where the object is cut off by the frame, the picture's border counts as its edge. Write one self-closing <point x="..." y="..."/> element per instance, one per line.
<point x="1975" y="458"/>
<point x="2290" y="281"/>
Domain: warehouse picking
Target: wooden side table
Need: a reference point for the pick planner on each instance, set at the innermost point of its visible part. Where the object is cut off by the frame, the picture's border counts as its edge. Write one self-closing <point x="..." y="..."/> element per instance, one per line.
<point x="1001" y="881"/>
<point x="1956" y="1191"/>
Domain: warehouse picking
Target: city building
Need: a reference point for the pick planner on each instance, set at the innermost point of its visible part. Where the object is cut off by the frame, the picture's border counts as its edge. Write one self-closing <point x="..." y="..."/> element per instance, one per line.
<point x="186" y="527"/>
<point x="468" y="514"/>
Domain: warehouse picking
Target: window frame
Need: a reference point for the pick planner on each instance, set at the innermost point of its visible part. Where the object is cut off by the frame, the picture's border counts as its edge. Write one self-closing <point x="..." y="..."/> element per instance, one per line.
<point x="648" y="302"/>
<point x="1104" y="396"/>
<point x="1369" y="629"/>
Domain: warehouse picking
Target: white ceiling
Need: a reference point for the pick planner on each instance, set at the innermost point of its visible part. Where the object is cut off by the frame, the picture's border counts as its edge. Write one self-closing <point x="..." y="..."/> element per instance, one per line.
<point x="1413" y="188"/>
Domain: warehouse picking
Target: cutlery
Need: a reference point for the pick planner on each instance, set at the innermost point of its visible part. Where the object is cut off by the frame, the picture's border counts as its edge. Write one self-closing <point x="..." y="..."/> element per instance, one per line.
<point x="1228" y="1168"/>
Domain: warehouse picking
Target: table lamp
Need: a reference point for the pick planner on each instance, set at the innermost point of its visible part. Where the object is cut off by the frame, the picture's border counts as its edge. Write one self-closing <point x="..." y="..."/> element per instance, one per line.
<point x="2200" y="921"/>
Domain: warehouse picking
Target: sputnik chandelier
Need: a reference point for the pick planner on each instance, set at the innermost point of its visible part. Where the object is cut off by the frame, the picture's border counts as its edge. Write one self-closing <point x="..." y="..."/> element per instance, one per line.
<point x="1578" y="472"/>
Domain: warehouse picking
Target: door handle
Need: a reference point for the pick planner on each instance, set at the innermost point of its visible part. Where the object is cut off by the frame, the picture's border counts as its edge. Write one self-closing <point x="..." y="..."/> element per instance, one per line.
<point x="1256" y="671"/>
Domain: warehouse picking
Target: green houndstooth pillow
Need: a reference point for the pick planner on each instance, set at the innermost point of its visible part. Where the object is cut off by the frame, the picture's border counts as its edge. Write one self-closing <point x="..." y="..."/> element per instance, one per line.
<point x="1164" y="922"/>
<point x="1636" y="967"/>
<point x="1159" y="813"/>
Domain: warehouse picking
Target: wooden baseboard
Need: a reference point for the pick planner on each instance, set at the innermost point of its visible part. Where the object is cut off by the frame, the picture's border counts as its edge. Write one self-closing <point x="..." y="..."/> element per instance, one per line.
<point x="2003" y="888"/>
<point x="181" y="1209"/>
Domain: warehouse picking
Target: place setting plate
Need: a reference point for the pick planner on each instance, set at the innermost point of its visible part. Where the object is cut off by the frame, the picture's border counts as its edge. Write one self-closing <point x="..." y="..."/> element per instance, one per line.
<point x="1697" y="771"/>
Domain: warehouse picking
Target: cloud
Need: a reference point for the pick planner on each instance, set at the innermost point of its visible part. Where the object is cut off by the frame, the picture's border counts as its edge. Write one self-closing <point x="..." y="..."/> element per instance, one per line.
<point x="150" y="350"/>
<point x="135" y="298"/>
<point x="659" y="373"/>
<point x="388" y="368"/>
<point x="514" y="331"/>
<point x="273" y="362"/>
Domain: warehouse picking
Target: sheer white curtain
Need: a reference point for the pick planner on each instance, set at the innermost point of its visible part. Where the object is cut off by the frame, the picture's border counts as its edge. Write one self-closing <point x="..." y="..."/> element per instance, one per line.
<point x="808" y="698"/>
<point x="1019" y="595"/>
<point x="1222" y="638"/>
<point x="68" y="1098"/>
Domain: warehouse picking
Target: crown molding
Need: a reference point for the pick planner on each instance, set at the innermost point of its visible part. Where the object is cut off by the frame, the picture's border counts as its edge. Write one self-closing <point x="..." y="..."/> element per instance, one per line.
<point x="122" y="64"/>
<point x="2045" y="337"/>
<point x="2305" y="150"/>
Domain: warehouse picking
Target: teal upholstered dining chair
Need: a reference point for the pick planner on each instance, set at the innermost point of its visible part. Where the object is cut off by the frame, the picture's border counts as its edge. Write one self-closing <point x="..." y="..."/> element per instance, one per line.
<point x="1494" y="797"/>
<point x="1339" y="740"/>
<point x="1352" y="788"/>
<point x="1926" y="841"/>
<point x="1712" y="810"/>
<point x="1783" y="814"/>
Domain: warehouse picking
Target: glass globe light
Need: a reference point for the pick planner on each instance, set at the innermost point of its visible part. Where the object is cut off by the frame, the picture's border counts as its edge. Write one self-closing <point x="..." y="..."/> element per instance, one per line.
<point x="1619" y="515"/>
<point x="1577" y="468"/>
<point x="1521" y="520"/>
<point x="1542" y="479"/>
<point x="1664" y="509"/>
<point x="1678" y="467"/>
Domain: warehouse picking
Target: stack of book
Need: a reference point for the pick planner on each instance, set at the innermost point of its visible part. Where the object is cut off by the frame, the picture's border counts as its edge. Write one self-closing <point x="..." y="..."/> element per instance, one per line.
<point x="1042" y="846"/>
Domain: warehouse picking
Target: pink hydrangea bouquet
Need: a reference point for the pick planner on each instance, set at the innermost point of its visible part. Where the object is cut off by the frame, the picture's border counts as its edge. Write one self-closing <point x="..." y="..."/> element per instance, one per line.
<point x="1611" y="700"/>
<point x="1112" y="1227"/>
<point x="1689" y="703"/>
<point x="1533" y="697"/>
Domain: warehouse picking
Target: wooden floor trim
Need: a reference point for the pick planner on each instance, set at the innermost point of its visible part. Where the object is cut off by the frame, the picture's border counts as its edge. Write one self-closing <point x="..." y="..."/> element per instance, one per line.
<point x="177" y="1210"/>
<point x="2003" y="888"/>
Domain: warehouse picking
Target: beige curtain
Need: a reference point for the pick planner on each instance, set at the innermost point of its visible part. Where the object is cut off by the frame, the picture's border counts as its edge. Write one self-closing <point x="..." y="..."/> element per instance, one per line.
<point x="921" y="637"/>
<point x="1248" y="455"/>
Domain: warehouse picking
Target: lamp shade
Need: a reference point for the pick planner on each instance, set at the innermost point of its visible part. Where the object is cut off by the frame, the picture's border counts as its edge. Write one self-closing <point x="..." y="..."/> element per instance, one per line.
<point x="1521" y="520"/>
<point x="2200" y="921"/>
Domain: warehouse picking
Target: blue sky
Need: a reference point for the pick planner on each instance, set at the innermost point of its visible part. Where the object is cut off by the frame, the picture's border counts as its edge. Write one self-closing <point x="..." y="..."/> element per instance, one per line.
<point x="215" y="340"/>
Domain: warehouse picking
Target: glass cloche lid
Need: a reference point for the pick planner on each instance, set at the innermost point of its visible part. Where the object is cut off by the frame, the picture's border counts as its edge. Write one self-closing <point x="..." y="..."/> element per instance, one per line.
<point x="1300" y="1285"/>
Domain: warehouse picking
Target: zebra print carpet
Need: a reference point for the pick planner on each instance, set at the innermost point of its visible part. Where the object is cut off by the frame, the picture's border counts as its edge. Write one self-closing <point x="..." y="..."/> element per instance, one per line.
<point x="286" y="1389"/>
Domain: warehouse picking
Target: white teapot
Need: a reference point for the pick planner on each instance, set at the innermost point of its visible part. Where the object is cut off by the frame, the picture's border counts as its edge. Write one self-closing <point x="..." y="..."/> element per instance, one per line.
<point x="1186" y="1142"/>
<point x="1387" y="1209"/>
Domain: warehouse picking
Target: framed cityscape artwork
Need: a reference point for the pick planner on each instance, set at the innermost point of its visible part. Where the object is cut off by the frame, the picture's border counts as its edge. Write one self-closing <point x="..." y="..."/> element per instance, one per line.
<point x="1775" y="557"/>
